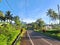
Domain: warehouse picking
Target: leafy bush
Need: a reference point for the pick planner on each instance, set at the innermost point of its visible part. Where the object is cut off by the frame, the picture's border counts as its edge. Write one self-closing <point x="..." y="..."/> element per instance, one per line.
<point x="53" y="33"/>
<point x="12" y="37"/>
<point x="3" y="40"/>
<point x="8" y="34"/>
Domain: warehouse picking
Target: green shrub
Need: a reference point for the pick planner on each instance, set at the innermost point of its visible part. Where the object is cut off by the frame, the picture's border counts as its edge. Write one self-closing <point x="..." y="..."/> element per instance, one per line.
<point x="8" y="34"/>
<point x="3" y="40"/>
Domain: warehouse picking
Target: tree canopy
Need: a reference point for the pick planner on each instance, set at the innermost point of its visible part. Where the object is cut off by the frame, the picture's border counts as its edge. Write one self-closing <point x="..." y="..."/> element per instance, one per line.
<point x="52" y="14"/>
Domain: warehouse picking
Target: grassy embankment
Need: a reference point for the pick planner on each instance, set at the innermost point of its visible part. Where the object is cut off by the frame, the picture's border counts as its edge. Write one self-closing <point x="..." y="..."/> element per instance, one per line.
<point x="8" y="34"/>
<point x="21" y="35"/>
<point x="52" y="33"/>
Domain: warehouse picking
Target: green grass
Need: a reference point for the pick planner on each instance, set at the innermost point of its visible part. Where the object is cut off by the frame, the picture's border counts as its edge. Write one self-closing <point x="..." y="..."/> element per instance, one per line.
<point x="3" y="39"/>
<point x="18" y="42"/>
<point x="12" y="37"/>
<point x="21" y="36"/>
<point x="52" y="33"/>
<point x="8" y="34"/>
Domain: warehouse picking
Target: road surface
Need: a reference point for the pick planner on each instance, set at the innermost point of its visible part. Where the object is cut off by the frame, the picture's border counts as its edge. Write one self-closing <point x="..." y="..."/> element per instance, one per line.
<point x="34" y="38"/>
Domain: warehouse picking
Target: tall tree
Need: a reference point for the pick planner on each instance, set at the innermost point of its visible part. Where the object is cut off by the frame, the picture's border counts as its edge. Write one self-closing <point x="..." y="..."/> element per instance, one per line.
<point x="52" y="14"/>
<point x="34" y="26"/>
<point x="40" y="23"/>
<point x="8" y="16"/>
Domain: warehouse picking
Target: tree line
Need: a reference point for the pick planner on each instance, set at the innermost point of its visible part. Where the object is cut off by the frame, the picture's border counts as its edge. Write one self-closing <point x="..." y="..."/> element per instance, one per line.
<point x="37" y="25"/>
<point x="8" y="17"/>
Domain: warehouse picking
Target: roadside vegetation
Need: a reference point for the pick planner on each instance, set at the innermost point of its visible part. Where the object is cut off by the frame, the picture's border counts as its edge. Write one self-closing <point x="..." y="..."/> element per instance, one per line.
<point x="54" y="31"/>
<point x="51" y="29"/>
<point x="10" y="28"/>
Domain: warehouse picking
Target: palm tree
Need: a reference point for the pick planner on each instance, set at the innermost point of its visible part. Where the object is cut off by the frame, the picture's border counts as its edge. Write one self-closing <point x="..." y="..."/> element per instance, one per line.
<point x="8" y="16"/>
<point x="52" y="14"/>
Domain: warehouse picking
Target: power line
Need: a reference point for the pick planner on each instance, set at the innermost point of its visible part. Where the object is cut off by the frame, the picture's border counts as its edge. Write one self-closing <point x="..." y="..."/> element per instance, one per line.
<point x="9" y="6"/>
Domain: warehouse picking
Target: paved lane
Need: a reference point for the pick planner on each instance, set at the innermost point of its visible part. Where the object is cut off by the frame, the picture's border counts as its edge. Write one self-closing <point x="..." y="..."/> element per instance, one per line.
<point x="25" y="41"/>
<point x="39" y="39"/>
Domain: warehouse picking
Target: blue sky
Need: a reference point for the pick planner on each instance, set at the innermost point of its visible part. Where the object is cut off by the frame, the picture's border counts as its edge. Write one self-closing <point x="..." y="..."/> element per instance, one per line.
<point x="29" y="10"/>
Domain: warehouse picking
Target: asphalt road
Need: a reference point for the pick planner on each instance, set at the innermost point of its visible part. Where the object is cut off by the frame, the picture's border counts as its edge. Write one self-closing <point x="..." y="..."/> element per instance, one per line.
<point x="25" y="41"/>
<point x="34" y="38"/>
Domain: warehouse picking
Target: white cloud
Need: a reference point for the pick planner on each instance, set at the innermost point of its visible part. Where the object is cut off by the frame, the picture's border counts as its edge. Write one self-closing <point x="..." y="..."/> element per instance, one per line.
<point x="28" y="20"/>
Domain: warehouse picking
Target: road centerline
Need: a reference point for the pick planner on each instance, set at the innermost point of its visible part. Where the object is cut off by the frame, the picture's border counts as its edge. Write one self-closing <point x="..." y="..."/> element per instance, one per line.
<point x="46" y="41"/>
<point x="30" y="38"/>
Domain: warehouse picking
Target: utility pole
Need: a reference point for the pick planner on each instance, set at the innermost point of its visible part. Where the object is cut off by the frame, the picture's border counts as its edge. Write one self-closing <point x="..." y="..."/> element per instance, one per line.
<point x="58" y="13"/>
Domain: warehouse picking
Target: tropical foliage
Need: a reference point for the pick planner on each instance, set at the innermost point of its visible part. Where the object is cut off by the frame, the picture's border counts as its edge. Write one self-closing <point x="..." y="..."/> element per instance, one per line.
<point x="8" y="30"/>
<point x="38" y="25"/>
<point x="52" y="14"/>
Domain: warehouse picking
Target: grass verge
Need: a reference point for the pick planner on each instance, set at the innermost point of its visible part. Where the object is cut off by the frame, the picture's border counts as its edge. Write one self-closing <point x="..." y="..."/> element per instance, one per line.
<point x="51" y="33"/>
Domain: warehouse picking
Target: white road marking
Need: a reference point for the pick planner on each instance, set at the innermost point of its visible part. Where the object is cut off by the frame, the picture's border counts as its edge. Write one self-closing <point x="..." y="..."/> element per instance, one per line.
<point x="46" y="41"/>
<point x="30" y="38"/>
<point x="41" y="39"/>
